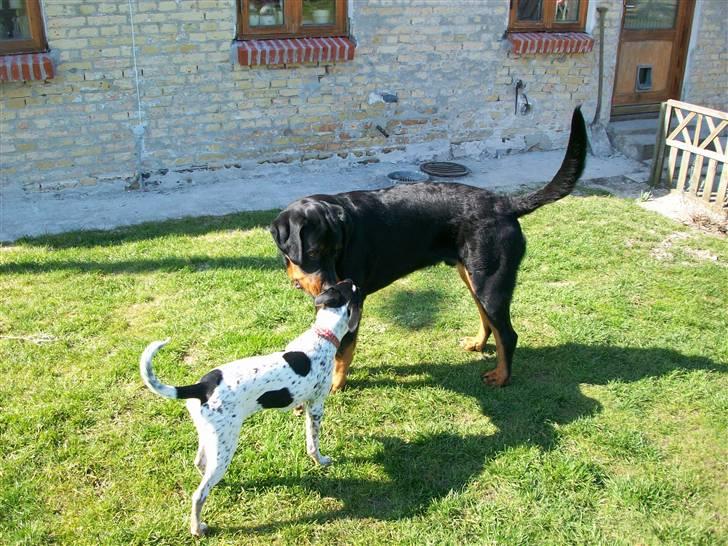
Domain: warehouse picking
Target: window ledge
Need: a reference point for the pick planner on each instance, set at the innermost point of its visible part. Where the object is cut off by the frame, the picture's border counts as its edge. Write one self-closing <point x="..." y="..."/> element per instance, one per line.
<point x="27" y="67"/>
<point x="533" y="43"/>
<point x="293" y="51"/>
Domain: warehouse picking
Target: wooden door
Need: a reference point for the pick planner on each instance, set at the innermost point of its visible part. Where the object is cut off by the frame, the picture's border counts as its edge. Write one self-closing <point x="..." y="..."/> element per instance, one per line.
<point x="653" y="48"/>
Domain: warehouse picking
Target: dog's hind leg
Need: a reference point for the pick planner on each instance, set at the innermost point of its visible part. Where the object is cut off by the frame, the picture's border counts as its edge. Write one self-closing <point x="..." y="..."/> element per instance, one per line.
<point x="505" y="344"/>
<point x="476" y="343"/>
<point x="218" y="457"/>
<point x="314" y="414"/>
<point x="494" y="291"/>
<point x="200" y="426"/>
<point x="201" y="458"/>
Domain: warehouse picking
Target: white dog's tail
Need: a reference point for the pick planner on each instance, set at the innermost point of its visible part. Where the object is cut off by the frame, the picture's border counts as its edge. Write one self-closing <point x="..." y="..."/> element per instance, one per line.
<point x="201" y="390"/>
<point x="145" y="368"/>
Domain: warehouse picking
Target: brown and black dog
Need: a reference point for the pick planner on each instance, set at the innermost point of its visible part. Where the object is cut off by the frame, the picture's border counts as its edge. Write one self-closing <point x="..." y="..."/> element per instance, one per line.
<point x="376" y="237"/>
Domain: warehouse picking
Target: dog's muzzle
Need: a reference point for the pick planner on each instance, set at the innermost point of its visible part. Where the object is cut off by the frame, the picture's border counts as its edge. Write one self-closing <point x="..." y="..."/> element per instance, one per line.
<point x="311" y="283"/>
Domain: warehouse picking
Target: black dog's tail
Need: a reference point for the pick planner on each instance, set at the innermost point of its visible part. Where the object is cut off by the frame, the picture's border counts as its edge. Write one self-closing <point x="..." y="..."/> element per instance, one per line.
<point x="567" y="176"/>
<point x="201" y="390"/>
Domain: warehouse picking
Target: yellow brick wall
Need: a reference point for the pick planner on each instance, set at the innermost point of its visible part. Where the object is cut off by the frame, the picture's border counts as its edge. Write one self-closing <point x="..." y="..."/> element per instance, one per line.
<point x="447" y="61"/>
<point x="706" y="79"/>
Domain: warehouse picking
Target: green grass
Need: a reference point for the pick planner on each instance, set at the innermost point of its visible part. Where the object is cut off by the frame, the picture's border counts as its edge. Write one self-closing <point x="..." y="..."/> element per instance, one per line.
<point x="613" y="430"/>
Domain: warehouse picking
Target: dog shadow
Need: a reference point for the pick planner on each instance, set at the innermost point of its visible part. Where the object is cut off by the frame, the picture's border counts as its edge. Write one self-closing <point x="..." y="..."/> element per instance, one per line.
<point x="545" y="394"/>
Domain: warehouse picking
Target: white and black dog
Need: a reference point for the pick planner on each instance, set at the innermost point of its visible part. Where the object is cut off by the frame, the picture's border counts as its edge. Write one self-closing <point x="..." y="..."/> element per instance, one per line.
<point x="227" y="395"/>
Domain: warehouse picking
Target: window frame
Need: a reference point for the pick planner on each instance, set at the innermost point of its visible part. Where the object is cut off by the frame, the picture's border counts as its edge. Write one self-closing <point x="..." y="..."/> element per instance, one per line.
<point x="37" y="41"/>
<point x="292" y="26"/>
<point x="547" y="22"/>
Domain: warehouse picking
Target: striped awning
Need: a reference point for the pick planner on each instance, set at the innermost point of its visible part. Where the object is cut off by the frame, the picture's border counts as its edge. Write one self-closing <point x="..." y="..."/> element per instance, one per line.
<point x="294" y="51"/>
<point x="26" y="67"/>
<point x="532" y="43"/>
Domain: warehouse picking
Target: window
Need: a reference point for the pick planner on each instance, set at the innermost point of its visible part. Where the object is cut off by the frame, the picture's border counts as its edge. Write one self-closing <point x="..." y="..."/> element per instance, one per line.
<point x="21" y="27"/>
<point x="652" y="15"/>
<point x="291" y="18"/>
<point x="547" y="15"/>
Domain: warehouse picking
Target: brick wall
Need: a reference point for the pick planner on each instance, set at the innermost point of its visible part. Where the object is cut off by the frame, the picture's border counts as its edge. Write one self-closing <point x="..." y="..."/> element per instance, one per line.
<point x="706" y="79"/>
<point x="447" y="61"/>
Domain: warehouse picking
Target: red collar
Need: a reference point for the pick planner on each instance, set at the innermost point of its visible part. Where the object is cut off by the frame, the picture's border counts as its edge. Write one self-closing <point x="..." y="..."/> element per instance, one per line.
<point x="328" y="335"/>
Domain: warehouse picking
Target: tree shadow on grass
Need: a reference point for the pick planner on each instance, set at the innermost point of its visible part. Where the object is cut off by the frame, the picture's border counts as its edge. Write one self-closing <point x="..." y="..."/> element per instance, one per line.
<point x="152" y="230"/>
<point x="545" y="393"/>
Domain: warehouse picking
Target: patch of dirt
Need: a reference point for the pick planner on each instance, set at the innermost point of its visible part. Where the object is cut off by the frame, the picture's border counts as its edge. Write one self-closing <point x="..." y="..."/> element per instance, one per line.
<point x="703" y="255"/>
<point x="38" y="339"/>
<point x="664" y="251"/>
<point x="688" y="212"/>
<point x="711" y="224"/>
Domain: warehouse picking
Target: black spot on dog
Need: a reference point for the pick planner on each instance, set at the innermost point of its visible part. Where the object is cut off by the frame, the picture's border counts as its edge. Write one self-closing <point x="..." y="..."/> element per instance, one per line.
<point x="275" y="399"/>
<point x="202" y="390"/>
<point x="297" y="360"/>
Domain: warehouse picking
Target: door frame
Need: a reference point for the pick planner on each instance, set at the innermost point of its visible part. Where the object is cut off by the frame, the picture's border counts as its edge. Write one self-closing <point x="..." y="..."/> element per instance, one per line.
<point x="678" y="60"/>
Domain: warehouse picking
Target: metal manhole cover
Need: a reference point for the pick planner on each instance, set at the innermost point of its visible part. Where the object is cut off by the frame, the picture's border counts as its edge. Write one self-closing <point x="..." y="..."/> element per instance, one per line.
<point x="407" y="176"/>
<point x="445" y="169"/>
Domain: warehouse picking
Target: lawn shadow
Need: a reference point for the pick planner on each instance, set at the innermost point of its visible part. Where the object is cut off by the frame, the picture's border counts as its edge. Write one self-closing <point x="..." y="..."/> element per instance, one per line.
<point x="545" y="393"/>
<point x="193" y="263"/>
<point x="149" y="231"/>
<point x="195" y="226"/>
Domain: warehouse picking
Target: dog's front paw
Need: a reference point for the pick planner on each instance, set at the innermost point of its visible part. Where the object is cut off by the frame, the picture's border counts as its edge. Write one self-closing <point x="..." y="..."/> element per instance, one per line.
<point x="320" y="459"/>
<point x="200" y="531"/>
<point x="495" y="378"/>
<point x="474" y="344"/>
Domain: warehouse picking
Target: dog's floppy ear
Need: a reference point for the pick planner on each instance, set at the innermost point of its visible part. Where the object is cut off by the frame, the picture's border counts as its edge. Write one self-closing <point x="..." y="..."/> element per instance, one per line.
<point x="276" y="230"/>
<point x="287" y="235"/>
<point x="279" y="228"/>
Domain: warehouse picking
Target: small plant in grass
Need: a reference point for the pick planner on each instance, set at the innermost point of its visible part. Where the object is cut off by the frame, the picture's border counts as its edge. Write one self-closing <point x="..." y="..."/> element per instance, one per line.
<point x="646" y="196"/>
